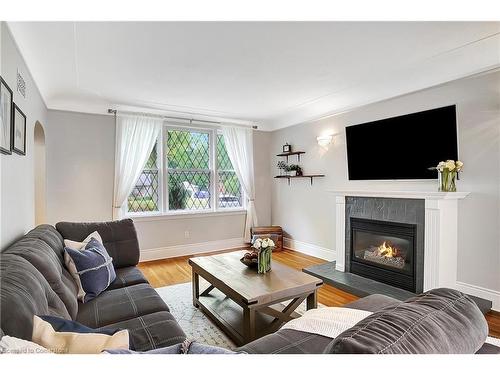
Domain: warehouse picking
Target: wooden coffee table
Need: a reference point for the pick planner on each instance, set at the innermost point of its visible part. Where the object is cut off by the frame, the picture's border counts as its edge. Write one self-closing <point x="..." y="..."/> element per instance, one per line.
<point x="247" y="305"/>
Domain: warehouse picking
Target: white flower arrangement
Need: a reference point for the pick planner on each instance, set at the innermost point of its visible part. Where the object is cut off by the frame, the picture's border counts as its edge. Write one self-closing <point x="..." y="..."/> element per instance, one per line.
<point x="263" y="248"/>
<point x="263" y="243"/>
<point x="448" y="172"/>
<point x="449" y="166"/>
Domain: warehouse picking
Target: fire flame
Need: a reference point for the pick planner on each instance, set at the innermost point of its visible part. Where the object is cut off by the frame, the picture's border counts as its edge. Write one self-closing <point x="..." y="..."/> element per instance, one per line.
<point x="386" y="250"/>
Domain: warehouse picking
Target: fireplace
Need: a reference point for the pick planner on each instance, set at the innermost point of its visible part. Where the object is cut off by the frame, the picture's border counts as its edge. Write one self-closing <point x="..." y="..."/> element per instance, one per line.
<point x="384" y="251"/>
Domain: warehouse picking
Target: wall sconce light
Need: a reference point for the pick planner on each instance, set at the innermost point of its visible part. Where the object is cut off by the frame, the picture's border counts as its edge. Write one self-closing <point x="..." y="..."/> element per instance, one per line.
<point x="324" y="140"/>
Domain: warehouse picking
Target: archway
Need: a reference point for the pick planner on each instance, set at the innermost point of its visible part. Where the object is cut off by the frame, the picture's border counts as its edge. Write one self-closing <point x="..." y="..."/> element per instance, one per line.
<point x="40" y="175"/>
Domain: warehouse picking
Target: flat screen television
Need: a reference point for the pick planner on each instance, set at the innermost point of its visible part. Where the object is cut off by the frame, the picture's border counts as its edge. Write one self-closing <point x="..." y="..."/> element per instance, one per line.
<point x="403" y="147"/>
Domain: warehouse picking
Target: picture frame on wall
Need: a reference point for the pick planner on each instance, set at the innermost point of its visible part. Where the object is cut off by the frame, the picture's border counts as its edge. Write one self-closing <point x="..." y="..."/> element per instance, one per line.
<point x="6" y="117"/>
<point x="19" y="131"/>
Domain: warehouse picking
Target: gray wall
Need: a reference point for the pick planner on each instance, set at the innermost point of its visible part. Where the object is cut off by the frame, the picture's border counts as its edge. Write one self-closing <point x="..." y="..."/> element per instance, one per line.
<point x="262" y="170"/>
<point x="17" y="172"/>
<point x="80" y="167"/>
<point x="307" y="213"/>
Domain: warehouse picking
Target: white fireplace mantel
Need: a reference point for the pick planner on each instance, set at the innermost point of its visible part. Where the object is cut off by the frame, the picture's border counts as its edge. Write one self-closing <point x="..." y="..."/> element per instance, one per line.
<point x="402" y="194"/>
<point x="441" y="231"/>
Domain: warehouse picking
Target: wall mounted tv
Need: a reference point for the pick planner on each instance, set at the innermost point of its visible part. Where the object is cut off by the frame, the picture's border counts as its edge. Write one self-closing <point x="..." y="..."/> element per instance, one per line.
<point x="403" y="147"/>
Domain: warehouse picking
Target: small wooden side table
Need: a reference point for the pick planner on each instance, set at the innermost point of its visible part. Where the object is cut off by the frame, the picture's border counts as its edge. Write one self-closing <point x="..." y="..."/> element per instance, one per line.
<point x="270" y="230"/>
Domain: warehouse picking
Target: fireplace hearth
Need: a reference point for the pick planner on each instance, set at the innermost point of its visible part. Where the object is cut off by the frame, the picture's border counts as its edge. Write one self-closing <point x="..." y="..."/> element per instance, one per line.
<point x="384" y="251"/>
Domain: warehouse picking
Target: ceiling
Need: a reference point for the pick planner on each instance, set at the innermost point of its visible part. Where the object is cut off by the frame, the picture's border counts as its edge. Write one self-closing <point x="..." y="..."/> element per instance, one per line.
<point x="276" y="74"/>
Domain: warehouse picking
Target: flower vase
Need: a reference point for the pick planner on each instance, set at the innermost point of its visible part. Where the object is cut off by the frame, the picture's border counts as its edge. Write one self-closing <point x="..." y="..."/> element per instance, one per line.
<point x="447" y="181"/>
<point x="264" y="260"/>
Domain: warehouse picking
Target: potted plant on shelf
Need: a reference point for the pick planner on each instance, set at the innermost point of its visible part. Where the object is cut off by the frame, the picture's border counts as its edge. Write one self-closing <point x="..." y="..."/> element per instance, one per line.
<point x="282" y="167"/>
<point x="295" y="170"/>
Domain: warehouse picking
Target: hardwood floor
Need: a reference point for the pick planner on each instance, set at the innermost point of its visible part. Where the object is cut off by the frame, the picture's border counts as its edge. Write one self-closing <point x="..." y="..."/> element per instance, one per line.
<point x="493" y="318"/>
<point x="177" y="270"/>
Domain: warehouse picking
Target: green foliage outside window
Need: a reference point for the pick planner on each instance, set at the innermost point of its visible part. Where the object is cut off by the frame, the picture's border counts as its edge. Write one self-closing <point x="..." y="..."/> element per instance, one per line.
<point x="189" y="187"/>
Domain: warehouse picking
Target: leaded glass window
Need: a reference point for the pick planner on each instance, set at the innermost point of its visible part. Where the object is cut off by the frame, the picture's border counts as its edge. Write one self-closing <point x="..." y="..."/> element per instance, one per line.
<point x="229" y="187"/>
<point x="189" y="170"/>
<point x="189" y="175"/>
<point x="145" y="195"/>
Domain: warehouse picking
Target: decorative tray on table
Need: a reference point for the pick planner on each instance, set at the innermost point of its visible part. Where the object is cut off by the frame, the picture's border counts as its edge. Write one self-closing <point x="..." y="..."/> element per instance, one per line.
<point x="250" y="259"/>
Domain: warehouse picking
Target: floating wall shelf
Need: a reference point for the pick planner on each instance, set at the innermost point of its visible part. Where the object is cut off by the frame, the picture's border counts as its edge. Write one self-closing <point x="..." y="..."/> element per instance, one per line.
<point x="298" y="153"/>
<point x="311" y="176"/>
<point x="287" y="154"/>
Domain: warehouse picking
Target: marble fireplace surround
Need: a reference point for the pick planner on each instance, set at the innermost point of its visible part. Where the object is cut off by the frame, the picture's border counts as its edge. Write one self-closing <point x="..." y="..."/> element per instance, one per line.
<point x="440" y="227"/>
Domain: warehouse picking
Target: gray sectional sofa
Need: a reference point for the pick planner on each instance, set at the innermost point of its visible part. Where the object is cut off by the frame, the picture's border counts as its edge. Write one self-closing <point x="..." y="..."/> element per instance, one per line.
<point x="440" y="321"/>
<point x="34" y="281"/>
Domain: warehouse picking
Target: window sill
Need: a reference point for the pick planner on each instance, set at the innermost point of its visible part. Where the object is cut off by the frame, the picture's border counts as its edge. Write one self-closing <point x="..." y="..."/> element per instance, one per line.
<point x="184" y="215"/>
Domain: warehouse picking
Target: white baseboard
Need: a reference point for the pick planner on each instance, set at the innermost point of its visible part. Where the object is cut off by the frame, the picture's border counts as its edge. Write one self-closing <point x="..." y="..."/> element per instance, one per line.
<point x="190" y="249"/>
<point x="309" y="249"/>
<point x="479" y="291"/>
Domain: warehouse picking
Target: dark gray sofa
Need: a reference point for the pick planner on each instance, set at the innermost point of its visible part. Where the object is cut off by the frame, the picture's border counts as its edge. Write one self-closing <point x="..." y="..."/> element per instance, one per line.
<point x="288" y="341"/>
<point x="34" y="281"/>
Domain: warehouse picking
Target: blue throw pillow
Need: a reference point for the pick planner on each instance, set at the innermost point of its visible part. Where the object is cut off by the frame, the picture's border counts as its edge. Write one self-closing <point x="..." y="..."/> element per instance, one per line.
<point x="94" y="268"/>
<point x="64" y="325"/>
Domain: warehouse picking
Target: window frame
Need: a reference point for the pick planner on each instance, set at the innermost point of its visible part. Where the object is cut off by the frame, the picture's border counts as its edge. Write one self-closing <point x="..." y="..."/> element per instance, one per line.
<point x="162" y="164"/>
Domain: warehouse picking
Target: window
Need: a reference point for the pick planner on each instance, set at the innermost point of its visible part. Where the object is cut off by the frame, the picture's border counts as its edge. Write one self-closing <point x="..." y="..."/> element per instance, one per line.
<point x="188" y="159"/>
<point x="145" y="197"/>
<point x="189" y="170"/>
<point x="229" y="185"/>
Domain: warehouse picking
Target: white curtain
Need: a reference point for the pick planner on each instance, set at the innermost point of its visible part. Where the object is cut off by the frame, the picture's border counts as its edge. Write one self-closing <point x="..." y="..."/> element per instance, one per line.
<point x="239" y="145"/>
<point x="135" y="139"/>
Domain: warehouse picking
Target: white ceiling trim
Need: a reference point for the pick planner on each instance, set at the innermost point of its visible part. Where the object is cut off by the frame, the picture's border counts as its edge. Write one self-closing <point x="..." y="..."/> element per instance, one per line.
<point x="194" y="115"/>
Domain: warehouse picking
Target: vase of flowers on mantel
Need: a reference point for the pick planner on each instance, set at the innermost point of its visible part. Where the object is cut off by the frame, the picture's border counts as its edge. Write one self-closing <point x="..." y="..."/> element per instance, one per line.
<point x="448" y="173"/>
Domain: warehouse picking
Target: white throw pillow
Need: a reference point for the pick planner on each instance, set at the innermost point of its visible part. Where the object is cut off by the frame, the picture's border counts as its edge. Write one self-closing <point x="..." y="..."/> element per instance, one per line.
<point x="70" y="265"/>
<point x="76" y="343"/>
<point x="75" y="245"/>
<point x="327" y="321"/>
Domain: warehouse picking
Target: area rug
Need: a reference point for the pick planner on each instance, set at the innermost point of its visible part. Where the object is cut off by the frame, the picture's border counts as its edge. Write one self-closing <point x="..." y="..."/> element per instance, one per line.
<point x="194" y="323"/>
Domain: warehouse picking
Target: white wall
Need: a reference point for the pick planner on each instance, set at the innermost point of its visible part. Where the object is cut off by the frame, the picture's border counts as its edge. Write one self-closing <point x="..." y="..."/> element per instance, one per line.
<point x="17" y="172"/>
<point x="307" y="213"/>
<point x="80" y="165"/>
